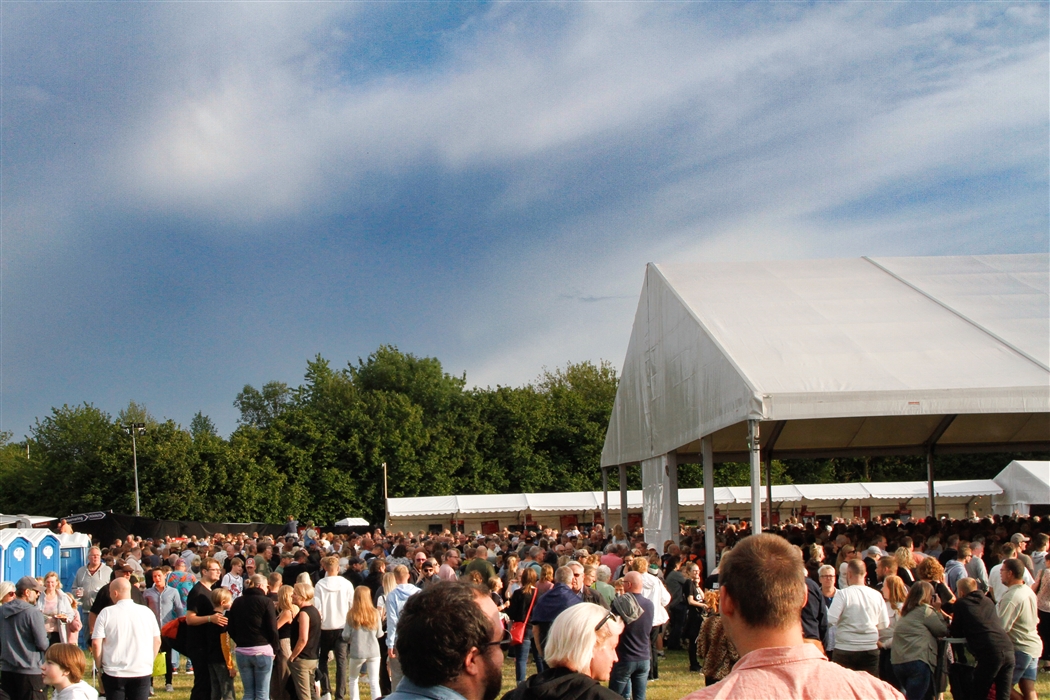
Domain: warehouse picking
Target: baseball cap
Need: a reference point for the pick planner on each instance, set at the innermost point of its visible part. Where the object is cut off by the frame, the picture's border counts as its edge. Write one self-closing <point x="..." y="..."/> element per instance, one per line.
<point x="28" y="583"/>
<point x="1018" y="537"/>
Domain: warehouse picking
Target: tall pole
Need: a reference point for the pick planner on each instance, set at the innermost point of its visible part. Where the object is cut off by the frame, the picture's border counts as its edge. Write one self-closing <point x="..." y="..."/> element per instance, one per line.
<point x="756" y="476"/>
<point x="135" y="461"/>
<point x="605" y="499"/>
<point x="708" y="458"/>
<point x="386" y="503"/>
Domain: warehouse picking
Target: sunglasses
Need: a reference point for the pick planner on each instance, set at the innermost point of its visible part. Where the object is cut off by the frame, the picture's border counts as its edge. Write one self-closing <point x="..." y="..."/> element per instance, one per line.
<point x="503" y="643"/>
<point x="608" y="616"/>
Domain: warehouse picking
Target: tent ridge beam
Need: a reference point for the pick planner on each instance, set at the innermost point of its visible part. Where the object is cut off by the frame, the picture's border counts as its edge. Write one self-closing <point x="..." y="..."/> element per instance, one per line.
<point x="960" y="315"/>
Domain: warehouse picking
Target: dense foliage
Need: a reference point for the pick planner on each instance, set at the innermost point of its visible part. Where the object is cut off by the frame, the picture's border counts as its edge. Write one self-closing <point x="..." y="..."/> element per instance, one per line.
<point x="317" y="450"/>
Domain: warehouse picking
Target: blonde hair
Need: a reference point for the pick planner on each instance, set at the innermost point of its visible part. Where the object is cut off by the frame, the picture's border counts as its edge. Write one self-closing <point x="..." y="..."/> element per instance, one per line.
<point x="904" y="558"/>
<point x="572" y="639"/>
<point x="52" y="574"/>
<point x="284" y="599"/>
<point x="220" y="597"/>
<point x="897" y="592"/>
<point x="304" y="590"/>
<point x="389" y="582"/>
<point x="363" y="614"/>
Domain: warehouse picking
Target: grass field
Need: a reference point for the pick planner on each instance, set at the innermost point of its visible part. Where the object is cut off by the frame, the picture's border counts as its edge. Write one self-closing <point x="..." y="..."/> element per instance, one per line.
<point x="675" y="681"/>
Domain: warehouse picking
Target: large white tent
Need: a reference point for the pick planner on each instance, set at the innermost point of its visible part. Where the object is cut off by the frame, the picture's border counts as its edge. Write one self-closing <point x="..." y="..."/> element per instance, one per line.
<point x="957" y="498"/>
<point x="821" y="358"/>
<point x="1023" y="484"/>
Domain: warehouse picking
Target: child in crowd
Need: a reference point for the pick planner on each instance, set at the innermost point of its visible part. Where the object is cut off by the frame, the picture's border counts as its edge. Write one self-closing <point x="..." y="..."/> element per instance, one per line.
<point x="63" y="669"/>
<point x="222" y="599"/>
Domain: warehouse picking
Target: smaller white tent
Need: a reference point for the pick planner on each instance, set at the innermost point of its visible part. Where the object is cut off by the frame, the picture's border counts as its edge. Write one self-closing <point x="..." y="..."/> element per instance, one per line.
<point x="352" y="522"/>
<point x="1024" y="484"/>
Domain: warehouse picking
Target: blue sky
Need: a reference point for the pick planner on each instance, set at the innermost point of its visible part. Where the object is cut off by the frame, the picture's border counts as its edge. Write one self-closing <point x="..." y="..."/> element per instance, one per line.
<point x="199" y="196"/>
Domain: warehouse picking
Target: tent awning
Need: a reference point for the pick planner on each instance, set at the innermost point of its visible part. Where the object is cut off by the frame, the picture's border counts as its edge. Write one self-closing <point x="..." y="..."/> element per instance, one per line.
<point x="837" y="357"/>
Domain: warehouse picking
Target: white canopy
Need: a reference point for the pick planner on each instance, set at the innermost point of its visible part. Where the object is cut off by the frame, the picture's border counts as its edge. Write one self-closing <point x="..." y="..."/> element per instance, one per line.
<point x="352" y="522"/>
<point x="583" y="501"/>
<point x="837" y="357"/>
<point x="1022" y="484"/>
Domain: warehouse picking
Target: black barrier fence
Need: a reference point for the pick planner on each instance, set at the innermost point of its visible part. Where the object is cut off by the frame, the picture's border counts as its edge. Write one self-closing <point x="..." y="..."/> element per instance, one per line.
<point x="107" y="527"/>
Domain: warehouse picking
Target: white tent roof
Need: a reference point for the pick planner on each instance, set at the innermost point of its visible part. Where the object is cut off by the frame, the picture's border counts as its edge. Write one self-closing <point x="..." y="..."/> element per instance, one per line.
<point x="582" y="501"/>
<point x="855" y="356"/>
<point x="1023" y="483"/>
<point x="352" y="522"/>
<point x="12" y="520"/>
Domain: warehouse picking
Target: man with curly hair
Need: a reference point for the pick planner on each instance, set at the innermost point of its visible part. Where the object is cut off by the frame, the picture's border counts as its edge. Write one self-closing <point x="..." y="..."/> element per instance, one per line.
<point x="451" y="644"/>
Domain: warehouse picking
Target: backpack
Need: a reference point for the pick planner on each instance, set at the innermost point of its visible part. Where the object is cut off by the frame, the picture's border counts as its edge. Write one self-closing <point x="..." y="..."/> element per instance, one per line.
<point x="176" y="633"/>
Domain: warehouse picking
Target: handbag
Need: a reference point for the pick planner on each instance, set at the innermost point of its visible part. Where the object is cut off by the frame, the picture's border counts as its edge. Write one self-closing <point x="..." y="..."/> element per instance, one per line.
<point x="517" y="629"/>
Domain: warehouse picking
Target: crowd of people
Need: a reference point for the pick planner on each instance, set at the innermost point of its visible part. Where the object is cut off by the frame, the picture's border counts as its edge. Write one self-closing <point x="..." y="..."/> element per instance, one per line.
<point x="433" y="615"/>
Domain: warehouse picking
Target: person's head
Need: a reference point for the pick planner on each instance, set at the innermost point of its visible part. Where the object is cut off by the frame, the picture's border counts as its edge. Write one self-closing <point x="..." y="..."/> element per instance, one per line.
<point x="904" y="558"/>
<point x="401" y="573"/>
<point x="419" y="559"/>
<point x="452" y="557"/>
<point x="28" y="589"/>
<point x="450" y="634"/>
<point x="64" y="664"/>
<point x="583" y="639"/>
<point x="1008" y="550"/>
<point x="590" y="575"/>
<point x="632" y="582"/>
<point x="285" y="598"/>
<point x="275" y="580"/>
<point x="1020" y="540"/>
<point x="762" y="584"/>
<point x="389" y="582"/>
<point x="1040" y="542"/>
<point x="576" y="568"/>
<point x="94" y="557"/>
<point x="826" y="574"/>
<point x="855" y="572"/>
<point x="964" y="553"/>
<point x="159" y="579"/>
<point x="894" y="591"/>
<point x="528" y="578"/>
<point x="887" y="566"/>
<point x="564" y="575"/>
<point x="211" y="571"/>
<point x="221" y="599"/>
<point x="180" y="564"/>
<point x="7" y="591"/>
<point x="303" y="594"/>
<point x="363" y="613"/>
<point x="921" y="593"/>
<point x="51" y="582"/>
<point x="966" y="586"/>
<point x="119" y="589"/>
<point x="547" y="573"/>
<point x="330" y="566"/>
<point x="1012" y="572"/>
<point x="257" y="581"/>
<point x="930" y="570"/>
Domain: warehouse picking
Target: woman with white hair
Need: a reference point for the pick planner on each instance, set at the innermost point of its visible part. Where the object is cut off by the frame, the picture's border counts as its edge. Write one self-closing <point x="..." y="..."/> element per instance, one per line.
<point x="580" y="653"/>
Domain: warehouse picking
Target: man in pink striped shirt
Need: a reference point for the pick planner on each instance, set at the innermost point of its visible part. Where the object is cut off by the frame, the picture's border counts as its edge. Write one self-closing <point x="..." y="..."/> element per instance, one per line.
<point x="763" y="591"/>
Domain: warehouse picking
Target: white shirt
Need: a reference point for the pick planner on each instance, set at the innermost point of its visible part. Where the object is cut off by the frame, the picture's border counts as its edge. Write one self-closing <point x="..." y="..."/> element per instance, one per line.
<point x="333" y="596"/>
<point x="234" y="584"/>
<point x="653" y="589"/>
<point x="858" y="613"/>
<point x="995" y="581"/>
<point x="128" y="630"/>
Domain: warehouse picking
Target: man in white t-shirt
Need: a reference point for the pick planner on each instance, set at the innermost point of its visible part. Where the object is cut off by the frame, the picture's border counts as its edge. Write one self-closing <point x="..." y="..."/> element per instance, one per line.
<point x="333" y="597"/>
<point x="858" y="613"/>
<point x="125" y="640"/>
<point x="1008" y="550"/>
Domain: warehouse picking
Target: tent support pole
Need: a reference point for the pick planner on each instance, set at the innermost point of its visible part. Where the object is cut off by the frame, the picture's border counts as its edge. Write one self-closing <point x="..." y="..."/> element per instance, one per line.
<point x="767" y="455"/>
<point x="756" y="476"/>
<point x="931" y="442"/>
<point x="623" y="501"/>
<point x="605" y="497"/>
<point x="672" y="498"/>
<point x="707" y="456"/>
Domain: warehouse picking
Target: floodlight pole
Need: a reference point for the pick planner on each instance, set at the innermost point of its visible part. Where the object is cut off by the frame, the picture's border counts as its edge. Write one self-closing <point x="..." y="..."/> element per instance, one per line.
<point x="756" y="476"/>
<point x="131" y="429"/>
<point x="386" y="504"/>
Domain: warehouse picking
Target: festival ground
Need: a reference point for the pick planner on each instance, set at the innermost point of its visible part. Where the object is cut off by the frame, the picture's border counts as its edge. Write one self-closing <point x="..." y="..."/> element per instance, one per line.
<point x="675" y="681"/>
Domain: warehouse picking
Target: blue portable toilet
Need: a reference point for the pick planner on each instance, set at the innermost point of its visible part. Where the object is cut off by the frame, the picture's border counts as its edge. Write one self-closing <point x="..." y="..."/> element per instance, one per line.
<point x="73" y="551"/>
<point x="48" y="554"/>
<point x="18" y="558"/>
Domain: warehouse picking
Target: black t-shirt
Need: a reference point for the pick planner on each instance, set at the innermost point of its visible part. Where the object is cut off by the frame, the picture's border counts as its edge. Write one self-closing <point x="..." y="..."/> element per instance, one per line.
<point x="103" y="599"/>
<point x="204" y="639"/>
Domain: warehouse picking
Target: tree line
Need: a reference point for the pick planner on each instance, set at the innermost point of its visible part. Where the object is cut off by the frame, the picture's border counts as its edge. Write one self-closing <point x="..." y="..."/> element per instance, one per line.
<point x="317" y="450"/>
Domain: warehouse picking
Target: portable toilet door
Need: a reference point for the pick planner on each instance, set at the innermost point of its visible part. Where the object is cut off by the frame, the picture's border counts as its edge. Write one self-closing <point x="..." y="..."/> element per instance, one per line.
<point x="73" y="555"/>
<point x="18" y="559"/>
<point x="48" y="556"/>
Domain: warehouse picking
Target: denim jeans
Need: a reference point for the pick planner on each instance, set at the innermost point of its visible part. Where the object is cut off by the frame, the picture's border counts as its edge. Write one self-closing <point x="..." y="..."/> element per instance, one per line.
<point x="629" y="678"/>
<point x="914" y="677"/>
<point x="255" y="675"/>
<point x="521" y="659"/>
